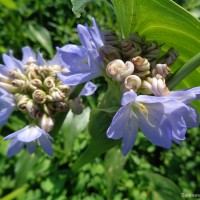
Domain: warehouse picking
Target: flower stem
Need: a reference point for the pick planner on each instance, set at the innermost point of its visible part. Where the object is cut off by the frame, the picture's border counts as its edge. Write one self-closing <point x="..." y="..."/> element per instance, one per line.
<point x="181" y="73"/>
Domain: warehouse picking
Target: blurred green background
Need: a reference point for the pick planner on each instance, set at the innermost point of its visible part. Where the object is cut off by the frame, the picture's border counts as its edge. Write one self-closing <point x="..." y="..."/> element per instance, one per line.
<point x="148" y="172"/>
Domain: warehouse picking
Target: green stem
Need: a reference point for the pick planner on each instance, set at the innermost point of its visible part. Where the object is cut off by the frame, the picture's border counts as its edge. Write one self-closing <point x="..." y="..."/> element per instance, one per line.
<point x="16" y="193"/>
<point x="112" y="96"/>
<point x="184" y="71"/>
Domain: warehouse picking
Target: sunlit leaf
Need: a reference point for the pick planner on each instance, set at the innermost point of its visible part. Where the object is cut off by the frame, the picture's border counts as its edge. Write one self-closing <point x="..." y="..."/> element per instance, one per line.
<point x="165" y="22"/>
<point x="41" y="35"/>
<point x="79" y="5"/>
<point x="9" y="4"/>
<point x="72" y="126"/>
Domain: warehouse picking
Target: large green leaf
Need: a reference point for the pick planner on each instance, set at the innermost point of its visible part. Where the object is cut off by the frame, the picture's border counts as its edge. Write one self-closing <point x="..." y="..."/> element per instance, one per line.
<point x="42" y="36"/>
<point x="79" y="5"/>
<point x="9" y="4"/>
<point x="165" y="22"/>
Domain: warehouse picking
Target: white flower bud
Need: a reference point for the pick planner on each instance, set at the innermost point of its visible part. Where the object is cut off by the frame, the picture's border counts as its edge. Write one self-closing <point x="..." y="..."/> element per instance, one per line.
<point x="32" y="75"/>
<point x="16" y="74"/>
<point x="22" y="101"/>
<point x="4" y="79"/>
<point x="47" y="109"/>
<point x="142" y="74"/>
<point x="36" y="82"/>
<point x="49" y="82"/>
<point x="118" y="70"/>
<point x="161" y="69"/>
<point x="146" y="87"/>
<point x="159" y="87"/>
<point x="64" y="88"/>
<point x="46" y="123"/>
<point x="8" y="87"/>
<point x="56" y="68"/>
<point x="56" y="94"/>
<point x="132" y="83"/>
<point x="39" y="96"/>
<point x="33" y="109"/>
<point x="18" y="83"/>
<point x="141" y="64"/>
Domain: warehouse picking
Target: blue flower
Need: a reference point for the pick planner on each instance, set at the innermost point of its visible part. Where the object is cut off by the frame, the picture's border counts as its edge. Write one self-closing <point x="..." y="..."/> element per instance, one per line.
<point x="161" y="119"/>
<point x="32" y="85"/>
<point x="29" y="136"/>
<point x="15" y="68"/>
<point x="83" y="63"/>
<point x="7" y="105"/>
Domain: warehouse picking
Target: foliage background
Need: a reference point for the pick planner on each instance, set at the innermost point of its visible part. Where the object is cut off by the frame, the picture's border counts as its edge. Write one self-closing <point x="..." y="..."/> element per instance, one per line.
<point x="148" y="172"/>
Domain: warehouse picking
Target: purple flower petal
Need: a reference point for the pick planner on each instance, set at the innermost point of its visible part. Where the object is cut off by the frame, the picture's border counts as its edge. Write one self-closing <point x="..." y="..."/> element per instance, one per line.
<point x="118" y="127"/>
<point x="128" y="97"/>
<point x="185" y="96"/>
<point x="88" y="89"/>
<point x="160" y="136"/>
<point x="14" y="147"/>
<point x="130" y="135"/>
<point x="75" y="58"/>
<point x="31" y="146"/>
<point x="192" y="118"/>
<point x="75" y="79"/>
<point x="178" y="126"/>
<point x="27" y="54"/>
<point x="46" y="144"/>
<point x="96" y="34"/>
<point x="40" y="60"/>
<point x="56" y="60"/>
<point x="29" y="133"/>
<point x="27" y="136"/>
<point x="9" y="62"/>
<point x="83" y="62"/>
<point x="6" y="107"/>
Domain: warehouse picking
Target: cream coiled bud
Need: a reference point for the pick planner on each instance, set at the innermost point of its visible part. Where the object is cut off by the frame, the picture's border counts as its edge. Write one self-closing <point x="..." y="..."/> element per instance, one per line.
<point x="132" y="83"/>
<point x="118" y="70"/>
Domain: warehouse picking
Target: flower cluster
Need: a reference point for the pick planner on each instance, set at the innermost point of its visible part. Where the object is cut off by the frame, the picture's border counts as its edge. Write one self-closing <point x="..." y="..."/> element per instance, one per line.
<point x="42" y="89"/>
<point x="147" y="103"/>
<point x="33" y="87"/>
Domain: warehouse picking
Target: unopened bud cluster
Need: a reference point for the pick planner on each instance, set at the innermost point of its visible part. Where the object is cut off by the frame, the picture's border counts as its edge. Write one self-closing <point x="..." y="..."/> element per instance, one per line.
<point x="40" y="93"/>
<point x="136" y="76"/>
<point x="137" y="64"/>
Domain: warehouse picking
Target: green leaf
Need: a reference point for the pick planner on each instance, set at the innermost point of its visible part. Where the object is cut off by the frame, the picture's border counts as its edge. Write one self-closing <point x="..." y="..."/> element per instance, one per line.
<point x="72" y="126"/>
<point x="79" y="5"/>
<point x="42" y="36"/>
<point x="99" y="122"/>
<point x="162" y="188"/>
<point x="164" y="22"/>
<point x="114" y="163"/>
<point x="9" y="4"/>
